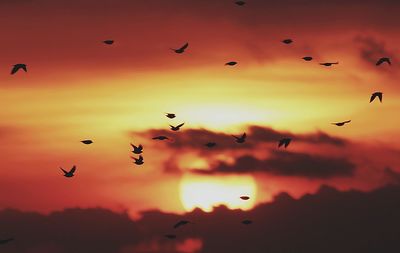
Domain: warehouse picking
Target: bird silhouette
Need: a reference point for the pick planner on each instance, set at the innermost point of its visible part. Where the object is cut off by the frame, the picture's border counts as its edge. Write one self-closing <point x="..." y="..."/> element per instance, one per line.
<point x="240" y="139"/>
<point x="4" y="241"/>
<point x="87" y="142"/>
<point x="137" y="149"/>
<point x="170" y="115"/>
<point x="210" y="144"/>
<point x="240" y="3"/>
<point x="17" y="67"/>
<point x="181" y="223"/>
<point x="307" y="58"/>
<point x="382" y="60"/>
<point x="231" y="63"/>
<point x="287" y="41"/>
<point x="245" y="197"/>
<point x="138" y="161"/>
<point x="328" y="64"/>
<point x="108" y="42"/>
<point x="161" y="138"/>
<point x="376" y="94"/>
<point x="181" y="49"/>
<point x="285" y="142"/>
<point x="69" y="173"/>
<point x="170" y="236"/>
<point x="247" y="222"/>
<point x="176" y="128"/>
<point x="341" y="123"/>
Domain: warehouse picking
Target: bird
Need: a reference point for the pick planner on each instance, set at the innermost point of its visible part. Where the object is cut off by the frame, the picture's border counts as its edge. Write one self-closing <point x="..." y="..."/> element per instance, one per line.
<point x="287" y="41"/>
<point x="341" y="123"/>
<point x="247" y="222"/>
<point x="285" y="142"/>
<point x="210" y="144"/>
<point x="382" y="60"/>
<point x="307" y="58"/>
<point x="138" y="161"/>
<point x="161" y="138"/>
<point x="170" y="115"/>
<point x="245" y="197"/>
<point x="181" y="223"/>
<point x="137" y="149"/>
<point x="176" y="128"/>
<point x="181" y="49"/>
<point x="108" y="42"/>
<point x="376" y="94"/>
<point x="231" y="63"/>
<point x="240" y="3"/>
<point x="170" y="236"/>
<point x="328" y="64"/>
<point x="4" y="241"/>
<point x="17" y="67"/>
<point x="87" y="142"/>
<point x="240" y="139"/>
<point x="69" y="173"/>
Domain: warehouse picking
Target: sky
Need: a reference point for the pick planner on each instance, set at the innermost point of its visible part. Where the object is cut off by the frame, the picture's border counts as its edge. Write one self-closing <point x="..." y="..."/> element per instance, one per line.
<point x="79" y="88"/>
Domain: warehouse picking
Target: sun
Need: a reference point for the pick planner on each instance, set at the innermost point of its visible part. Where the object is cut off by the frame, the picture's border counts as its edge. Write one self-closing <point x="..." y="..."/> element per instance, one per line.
<point x="206" y="192"/>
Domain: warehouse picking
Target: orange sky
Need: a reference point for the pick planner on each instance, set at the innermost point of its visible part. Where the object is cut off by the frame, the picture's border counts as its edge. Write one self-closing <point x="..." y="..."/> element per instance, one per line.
<point x="78" y="88"/>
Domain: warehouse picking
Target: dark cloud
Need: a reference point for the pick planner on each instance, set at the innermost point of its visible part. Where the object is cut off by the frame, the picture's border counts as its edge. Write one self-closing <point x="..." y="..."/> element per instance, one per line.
<point x="329" y="221"/>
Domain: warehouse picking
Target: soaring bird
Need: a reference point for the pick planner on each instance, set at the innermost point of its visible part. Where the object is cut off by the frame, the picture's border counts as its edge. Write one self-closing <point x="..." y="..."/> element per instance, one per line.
<point x="4" y="241"/>
<point x="181" y="49"/>
<point x="245" y="197"/>
<point x="69" y="173"/>
<point x="17" y="67"/>
<point x="138" y="161"/>
<point x="137" y="149"/>
<point x="382" y="60"/>
<point x="231" y="63"/>
<point x="108" y="42"/>
<point x="307" y="58"/>
<point x="376" y="94"/>
<point x="170" y="115"/>
<point x="328" y="64"/>
<point x="87" y="142"/>
<point x="240" y="139"/>
<point x="170" y="236"/>
<point x="247" y="222"/>
<point x="240" y="3"/>
<point x="341" y="123"/>
<point x="176" y="128"/>
<point x="285" y="142"/>
<point x="181" y="223"/>
<point x="287" y="41"/>
<point x="210" y="144"/>
<point x="161" y="138"/>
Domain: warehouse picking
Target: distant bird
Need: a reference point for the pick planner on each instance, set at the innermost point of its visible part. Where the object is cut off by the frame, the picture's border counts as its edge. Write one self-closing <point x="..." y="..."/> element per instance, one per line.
<point x="181" y="49"/>
<point x="138" y="161"/>
<point x="176" y="128"/>
<point x="341" y="123"/>
<point x="247" y="222"/>
<point x="210" y="144"/>
<point x="137" y="149"/>
<point x="17" y="67"/>
<point x="170" y="236"/>
<point x="4" y="241"/>
<point x="87" y="142"/>
<point x="231" y="63"/>
<point x="108" y="42"/>
<point x="240" y="3"/>
<point x="285" y="142"/>
<point x="307" y="58"/>
<point x="181" y="223"/>
<point x="328" y="64"/>
<point x="382" y="60"/>
<point x="245" y="197"/>
<point x="170" y="115"/>
<point x="376" y="94"/>
<point x="161" y="138"/>
<point x="287" y="41"/>
<point x="240" y="139"/>
<point x="69" y="173"/>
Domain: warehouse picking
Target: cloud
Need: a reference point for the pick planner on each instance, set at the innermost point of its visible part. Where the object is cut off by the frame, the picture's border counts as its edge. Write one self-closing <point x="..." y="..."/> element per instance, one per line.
<point x="371" y="49"/>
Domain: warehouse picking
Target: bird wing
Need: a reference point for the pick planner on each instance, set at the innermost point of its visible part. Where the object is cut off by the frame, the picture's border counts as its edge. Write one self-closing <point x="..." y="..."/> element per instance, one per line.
<point x="180" y="223"/>
<point x="281" y="142"/>
<point x="244" y="135"/>
<point x="73" y="169"/>
<point x="180" y="125"/>
<point x="347" y="121"/>
<point x="388" y="61"/>
<point x="379" y="62"/>
<point x="237" y="138"/>
<point x="184" y="46"/>
<point x="24" y="68"/>
<point x="380" y="97"/>
<point x="66" y="172"/>
<point x="140" y="146"/>
<point x="140" y="158"/>
<point x="14" y="69"/>
<point x="373" y="96"/>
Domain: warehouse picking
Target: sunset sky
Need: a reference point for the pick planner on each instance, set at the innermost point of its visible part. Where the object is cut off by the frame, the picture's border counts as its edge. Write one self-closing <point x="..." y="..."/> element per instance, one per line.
<point x="78" y="88"/>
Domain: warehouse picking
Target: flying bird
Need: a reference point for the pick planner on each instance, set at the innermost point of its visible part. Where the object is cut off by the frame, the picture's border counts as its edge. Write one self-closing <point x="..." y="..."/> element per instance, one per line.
<point x="328" y="64"/>
<point x="376" y="94"/>
<point x="240" y="139"/>
<point x="247" y="222"/>
<point x="87" y="142"/>
<point x="17" y="67"/>
<point x="210" y="144"/>
<point x="341" y="123"/>
<point x="245" y="197"/>
<point x="307" y="58"/>
<point x="170" y="236"/>
<point x="382" y="60"/>
<point x="284" y="142"/>
<point x="138" y="161"/>
<point x="161" y="138"/>
<point x="181" y="49"/>
<point x="176" y="128"/>
<point x="181" y="223"/>
<point x="287" y="41"/>
<point x="137" y="149"/>
<point x="4" y="241"/>
<point x="170" y="115"/>
<point x="231" y="63"/>
<point x="240" y="3"/>
<point x="108" y="42"/>
<point x="69" y="173"/>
